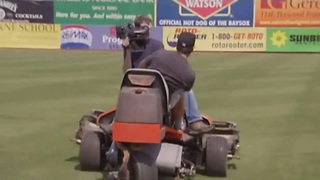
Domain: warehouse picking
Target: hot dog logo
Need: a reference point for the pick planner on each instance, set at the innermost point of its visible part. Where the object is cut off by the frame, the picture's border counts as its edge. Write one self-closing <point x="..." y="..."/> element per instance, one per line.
<point x="205" y="8"/>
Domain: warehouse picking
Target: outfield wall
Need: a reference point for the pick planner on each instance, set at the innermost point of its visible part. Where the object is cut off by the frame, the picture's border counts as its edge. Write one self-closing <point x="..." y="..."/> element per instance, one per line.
<point x="220" y="25"/>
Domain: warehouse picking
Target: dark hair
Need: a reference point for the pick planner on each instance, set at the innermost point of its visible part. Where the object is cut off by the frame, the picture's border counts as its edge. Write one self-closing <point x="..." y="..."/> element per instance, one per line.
<point x="185" y="50"/>
<point x="141" y="19"/>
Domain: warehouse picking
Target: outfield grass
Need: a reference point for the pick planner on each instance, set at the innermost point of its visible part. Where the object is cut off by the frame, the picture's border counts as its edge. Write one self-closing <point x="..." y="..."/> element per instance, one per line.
<point x="274" y="98"/>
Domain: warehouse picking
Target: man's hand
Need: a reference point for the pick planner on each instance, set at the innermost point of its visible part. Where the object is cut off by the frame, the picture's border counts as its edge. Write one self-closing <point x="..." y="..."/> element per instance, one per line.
<point x="126" y="43"/>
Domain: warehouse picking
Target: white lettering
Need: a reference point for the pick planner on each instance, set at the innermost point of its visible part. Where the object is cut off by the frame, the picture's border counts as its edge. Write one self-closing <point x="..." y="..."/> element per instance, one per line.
<point x="74" y="15"/>
<point x="98" y="16"/>
<point x="204" y="3"/>
<point x="238" y="23"/>
<point x="113" y="16"/>
<point x="9" y="5"/>
<point x="85" y="16"/>
<point x="29" y="16"/>
<point x="129" y="16"/>
<point x="212" y="23"/>
<point x="188" y="22"/>
<point x="201" y="23"/>
<point x="62" y="15"/>
<point x="114" y="40"/>
<point x="101" y="8"/>
<point x="112" y="8"/>
<point x="167" y="22"/>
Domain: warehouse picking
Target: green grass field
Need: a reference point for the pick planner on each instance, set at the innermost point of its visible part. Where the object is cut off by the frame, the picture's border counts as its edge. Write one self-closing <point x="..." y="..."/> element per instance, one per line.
<point x="274" y="98"/>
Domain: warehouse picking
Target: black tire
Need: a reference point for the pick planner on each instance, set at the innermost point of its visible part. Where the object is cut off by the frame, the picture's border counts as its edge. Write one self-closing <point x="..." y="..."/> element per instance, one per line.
<point x="216" y="156"/>
<point x="142" y="167"/>
<point x="91" y="156"/>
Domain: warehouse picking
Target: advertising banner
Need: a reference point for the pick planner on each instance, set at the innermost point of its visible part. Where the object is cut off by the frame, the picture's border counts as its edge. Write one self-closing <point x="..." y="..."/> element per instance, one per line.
<point x="293" y="40"/>
<point x="95" y="37"/>
<point x="83" y="37"/>
<point x="33" y="11"/>
<point x="207" y="13"/>
<point x="287" y="13"/>
<point x="101" y="12"/>
<point x="29" y="35"/>
<point x="219" y="39"/>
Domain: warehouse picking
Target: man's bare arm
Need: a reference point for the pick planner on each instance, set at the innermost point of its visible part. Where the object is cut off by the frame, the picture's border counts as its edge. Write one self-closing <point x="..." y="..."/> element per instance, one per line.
<point x="127" y="61"/>
<point x="143" y="64"/>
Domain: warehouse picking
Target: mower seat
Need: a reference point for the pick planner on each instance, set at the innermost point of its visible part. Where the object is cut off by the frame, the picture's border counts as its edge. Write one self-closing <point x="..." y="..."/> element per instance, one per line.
<point x="143" y="107"/>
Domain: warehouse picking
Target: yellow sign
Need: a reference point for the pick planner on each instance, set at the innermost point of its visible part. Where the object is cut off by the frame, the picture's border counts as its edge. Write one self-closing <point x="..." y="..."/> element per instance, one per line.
<point x="29" y="35"/>
<point x="219" y="39"/>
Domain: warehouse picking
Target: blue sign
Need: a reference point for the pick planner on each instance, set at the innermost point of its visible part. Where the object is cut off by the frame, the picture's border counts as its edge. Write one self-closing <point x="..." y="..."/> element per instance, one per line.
<point x="100" y="37"/>
<point x="205" y="13"/>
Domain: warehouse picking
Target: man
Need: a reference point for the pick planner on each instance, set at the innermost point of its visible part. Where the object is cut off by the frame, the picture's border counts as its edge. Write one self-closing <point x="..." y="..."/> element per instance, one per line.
<point x="177" y="72"/>
<point x="133" y="59"/>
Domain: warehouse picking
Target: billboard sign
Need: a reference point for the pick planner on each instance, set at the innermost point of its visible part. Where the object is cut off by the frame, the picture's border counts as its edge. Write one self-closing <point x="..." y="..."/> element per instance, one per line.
<point x="29" y="35"/>
<point x="210" y="13"/>
<point x="100" y="12"/>
<point x="287" y="13"/>
<point x="293" y="40"/>
<point x="219" y="39"/>
<point x="95" y="37"/>
<point x="31" y="11"/>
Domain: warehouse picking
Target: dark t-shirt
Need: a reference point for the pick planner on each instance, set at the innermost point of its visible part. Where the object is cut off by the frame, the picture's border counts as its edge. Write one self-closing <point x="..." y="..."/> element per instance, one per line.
<point x="152" y="46"/>
<point x="174" y="68"/>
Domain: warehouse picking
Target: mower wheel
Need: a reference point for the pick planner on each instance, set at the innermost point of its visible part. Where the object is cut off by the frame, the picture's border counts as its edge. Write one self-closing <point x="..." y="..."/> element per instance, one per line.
<point x="142" y="167"/>
<point x="91" y="155"/>
<point x="216" y="156"/>
<point x="87" y="118"/>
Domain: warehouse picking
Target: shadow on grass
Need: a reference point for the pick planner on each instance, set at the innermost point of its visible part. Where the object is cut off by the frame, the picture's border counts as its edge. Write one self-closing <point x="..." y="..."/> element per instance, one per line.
<point x="76" y="160"/>
<point x="73" y="159"/>
<point x="78" y="168"/>
<point x="104" y="176"/>
<point x="232" y="166"/>
<point x="200" y="171"/>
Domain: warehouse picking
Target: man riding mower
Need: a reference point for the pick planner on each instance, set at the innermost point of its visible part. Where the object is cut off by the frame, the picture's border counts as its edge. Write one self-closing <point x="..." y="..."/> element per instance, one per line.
<point x="140" y="139"/>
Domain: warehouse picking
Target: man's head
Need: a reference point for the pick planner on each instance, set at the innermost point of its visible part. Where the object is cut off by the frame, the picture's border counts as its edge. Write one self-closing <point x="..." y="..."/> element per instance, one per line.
<point x="186" y="42"/>
<point x="143" y="21"/>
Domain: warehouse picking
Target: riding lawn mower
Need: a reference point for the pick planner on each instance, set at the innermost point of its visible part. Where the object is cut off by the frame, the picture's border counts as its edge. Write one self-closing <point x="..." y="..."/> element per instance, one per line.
<point x="138" y="141"/>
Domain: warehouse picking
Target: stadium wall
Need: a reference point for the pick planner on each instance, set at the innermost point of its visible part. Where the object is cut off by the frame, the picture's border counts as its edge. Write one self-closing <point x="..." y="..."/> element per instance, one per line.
<point x="220" y="25"/>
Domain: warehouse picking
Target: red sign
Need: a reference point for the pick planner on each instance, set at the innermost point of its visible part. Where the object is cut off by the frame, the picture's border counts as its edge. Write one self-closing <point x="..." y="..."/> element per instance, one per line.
<point x="113" y="31"/>
<point x="205" y="8"/>
<point x="274" y="4"/>
<point x="190" y="30"/>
